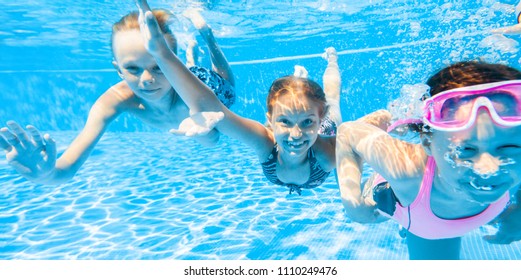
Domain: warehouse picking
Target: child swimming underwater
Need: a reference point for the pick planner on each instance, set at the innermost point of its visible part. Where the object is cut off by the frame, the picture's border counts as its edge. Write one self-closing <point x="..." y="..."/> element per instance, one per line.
<point x="143" y="92"/>
<point x="461" y="175"/>
<point x="291" y="150"/>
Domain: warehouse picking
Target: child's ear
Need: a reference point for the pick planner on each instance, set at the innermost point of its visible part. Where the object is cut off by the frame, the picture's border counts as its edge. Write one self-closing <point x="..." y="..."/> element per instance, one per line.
<point x="326" y="111"/>
<point x="116" y="66"/>
<point x="426" y="142"/>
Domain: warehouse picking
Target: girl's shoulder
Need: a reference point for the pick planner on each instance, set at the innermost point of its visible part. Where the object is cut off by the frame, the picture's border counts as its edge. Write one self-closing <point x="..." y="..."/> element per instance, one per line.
<point x="324" y="150"/>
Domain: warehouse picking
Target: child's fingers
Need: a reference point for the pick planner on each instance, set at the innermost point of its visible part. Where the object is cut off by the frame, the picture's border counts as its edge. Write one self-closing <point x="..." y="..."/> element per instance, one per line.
<point x="19" y="133"/>
<point x="152" y="24"/>
<point x="142" y="5"/>
<point x="50" y="147"/>
<point x="212" y="118"/>
<point x="37" y="137"/>
<point x="10" y="138"/>
<point x="4" y="145"/>
<point x="219" y="116"/>
<point x="191" y="133"/>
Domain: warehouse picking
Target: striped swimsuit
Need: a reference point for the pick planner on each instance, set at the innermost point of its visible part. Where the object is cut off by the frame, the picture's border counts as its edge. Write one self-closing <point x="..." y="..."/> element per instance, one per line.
<point x="316" y="178"/>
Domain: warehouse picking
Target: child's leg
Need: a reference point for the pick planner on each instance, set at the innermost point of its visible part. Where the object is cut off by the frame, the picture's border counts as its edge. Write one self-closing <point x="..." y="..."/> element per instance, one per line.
<point x="219" y="62"/>
<point x="331" y="81"/>
<point x="190" y="55"/>
<point x="439" y="249"/>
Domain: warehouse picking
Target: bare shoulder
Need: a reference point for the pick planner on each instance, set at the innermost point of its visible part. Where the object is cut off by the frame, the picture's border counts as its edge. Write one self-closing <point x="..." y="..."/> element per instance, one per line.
<point x="119" y="97"/>
<point x="111" y="103"/>
<point x="264" y="146"/>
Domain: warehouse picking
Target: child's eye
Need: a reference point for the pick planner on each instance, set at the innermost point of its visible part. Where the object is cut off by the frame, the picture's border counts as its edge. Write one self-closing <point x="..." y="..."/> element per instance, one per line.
<point x="510" y="149"/>
<point x="284" y="122"/>
<point x="466" y="152"/>
<point x="132" y="69"/>
<point x="307" y="122"/>
<point x="157" y="70"/>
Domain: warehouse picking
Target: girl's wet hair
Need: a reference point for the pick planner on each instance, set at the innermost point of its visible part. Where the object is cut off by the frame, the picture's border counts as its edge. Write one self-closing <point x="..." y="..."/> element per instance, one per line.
<point x="130" y="22"/>
<point x="469" y="73"/>
<point x="297" y="86"/>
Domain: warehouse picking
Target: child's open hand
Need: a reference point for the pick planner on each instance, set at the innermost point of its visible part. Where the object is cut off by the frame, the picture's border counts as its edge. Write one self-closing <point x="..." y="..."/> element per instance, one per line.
<point x="152" y="35"/>
<point x="33" y="156"/>
<point x="198" y="124"/>
<point x="363" y="212"/>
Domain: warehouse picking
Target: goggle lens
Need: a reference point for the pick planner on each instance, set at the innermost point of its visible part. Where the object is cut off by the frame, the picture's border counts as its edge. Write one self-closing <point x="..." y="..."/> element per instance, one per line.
<point x="457" y="109"/>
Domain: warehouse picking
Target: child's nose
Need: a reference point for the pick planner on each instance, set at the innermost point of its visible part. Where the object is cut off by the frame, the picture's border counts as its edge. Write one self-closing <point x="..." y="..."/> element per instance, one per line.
<point x="486" y="165"/>
<point x="147" y="77"/>
<point x="295" y="132"/>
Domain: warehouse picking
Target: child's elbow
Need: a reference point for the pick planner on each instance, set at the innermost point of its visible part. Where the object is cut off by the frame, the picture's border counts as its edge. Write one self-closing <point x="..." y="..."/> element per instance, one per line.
<point x="345" y="130"/>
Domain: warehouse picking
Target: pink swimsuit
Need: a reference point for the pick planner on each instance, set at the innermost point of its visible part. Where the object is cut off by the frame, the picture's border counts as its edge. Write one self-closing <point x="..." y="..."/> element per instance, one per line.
<point x="419" y="219"/>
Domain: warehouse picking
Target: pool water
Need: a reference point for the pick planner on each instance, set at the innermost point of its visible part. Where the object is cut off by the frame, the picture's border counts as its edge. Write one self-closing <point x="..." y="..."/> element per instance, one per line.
<point x="137" y="200"/>
<point x="146" y="194"/>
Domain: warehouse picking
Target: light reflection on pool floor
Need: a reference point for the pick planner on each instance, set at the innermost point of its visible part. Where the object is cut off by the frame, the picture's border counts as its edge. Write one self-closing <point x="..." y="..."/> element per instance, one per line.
<point x="155" y="196"/>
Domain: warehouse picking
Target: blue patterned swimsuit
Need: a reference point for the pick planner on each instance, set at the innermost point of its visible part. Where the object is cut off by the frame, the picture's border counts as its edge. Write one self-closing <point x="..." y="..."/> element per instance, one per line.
<point x="317" y="177"/>
<point x="327" y="127"/>
<point x="221" y="87"/>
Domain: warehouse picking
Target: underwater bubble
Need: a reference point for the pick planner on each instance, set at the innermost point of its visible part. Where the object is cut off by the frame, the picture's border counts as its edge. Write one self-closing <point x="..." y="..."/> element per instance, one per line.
<point x="415" y="28"/>
<point x="506" y="161"/>
<point x="448" y="157"/>
<point x="452" y="155"/>
<point x="410" y="103"/>
<point x="464" y="163"/>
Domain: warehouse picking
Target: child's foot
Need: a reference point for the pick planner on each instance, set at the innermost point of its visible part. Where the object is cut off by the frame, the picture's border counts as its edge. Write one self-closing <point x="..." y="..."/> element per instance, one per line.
<point x="195" y="17"/>
<point x="191" y="44"/>
<point x="300" y="72"/>
<point x="191" y="53"/>
<point x="330" y="55"/>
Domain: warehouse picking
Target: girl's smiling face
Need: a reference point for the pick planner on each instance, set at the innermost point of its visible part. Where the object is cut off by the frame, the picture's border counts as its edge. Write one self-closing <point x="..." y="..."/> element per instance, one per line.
<point x="295" y="122"/>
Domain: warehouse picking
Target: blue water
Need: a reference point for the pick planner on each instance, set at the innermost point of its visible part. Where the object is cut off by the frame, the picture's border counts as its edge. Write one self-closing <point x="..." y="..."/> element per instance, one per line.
<point x="146" y="194"/>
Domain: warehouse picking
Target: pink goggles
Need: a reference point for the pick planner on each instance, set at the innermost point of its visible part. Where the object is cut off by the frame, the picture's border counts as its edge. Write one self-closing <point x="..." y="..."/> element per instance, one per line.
<point x="456" y="109"/>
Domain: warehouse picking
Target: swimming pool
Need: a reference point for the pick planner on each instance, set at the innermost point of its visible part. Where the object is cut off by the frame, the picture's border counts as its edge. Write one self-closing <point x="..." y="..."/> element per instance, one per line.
<point x="145" y="194"/>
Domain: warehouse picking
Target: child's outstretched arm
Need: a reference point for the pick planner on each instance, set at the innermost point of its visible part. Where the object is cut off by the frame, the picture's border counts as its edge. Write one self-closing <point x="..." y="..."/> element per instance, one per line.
<point x="197" y="96"/>
<point x="194" y="92"/>
<point x="219" y="62"/>
<point x="34" y="156"/>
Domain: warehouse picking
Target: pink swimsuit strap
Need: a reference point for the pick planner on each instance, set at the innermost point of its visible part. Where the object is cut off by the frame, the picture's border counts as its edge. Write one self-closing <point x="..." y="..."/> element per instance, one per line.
<point x="419" y="219"/>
